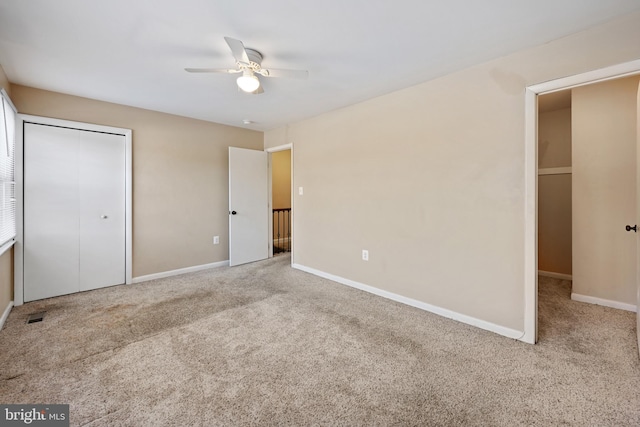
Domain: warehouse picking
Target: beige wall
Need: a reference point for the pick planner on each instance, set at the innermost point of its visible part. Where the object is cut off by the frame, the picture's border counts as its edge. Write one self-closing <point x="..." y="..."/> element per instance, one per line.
<point x="6" y="280"/>
<point x="604" y="120"/>
<point x="281" y="179"/>
<point x="430" y="179"/>
<point x="276" y="137"/>
<point x="180" y="176"/>
<point x="554" y="192"/>
<point x="554" y="139"/>
<point x="554" y="224"/>
<point x="6" y="259"/>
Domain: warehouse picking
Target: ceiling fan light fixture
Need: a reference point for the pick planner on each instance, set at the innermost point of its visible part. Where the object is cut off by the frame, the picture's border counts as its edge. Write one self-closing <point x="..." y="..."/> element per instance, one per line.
<point x="248" y="82"/>
<point x="248" y="62"/>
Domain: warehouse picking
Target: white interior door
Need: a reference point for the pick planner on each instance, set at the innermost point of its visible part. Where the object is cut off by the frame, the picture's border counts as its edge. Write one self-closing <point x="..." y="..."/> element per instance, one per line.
<point x="604" y="193"/>
<point x="248" y="206"/>
<point x="74" y="210"/>
<point x="638" y="215"/>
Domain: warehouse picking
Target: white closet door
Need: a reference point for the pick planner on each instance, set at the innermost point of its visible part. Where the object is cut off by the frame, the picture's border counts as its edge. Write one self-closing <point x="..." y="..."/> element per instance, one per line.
<point x="51" y="246"/>
<point x="74" y="227"/>
<point x="102" y="209"/>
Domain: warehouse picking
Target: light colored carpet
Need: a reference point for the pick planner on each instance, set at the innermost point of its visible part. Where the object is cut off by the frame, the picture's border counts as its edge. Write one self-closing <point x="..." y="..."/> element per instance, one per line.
<point x="263" y="344"/>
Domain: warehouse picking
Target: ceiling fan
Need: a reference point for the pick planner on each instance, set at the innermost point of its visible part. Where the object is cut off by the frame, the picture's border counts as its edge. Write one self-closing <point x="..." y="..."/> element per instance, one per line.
<point x="248" y="63"/>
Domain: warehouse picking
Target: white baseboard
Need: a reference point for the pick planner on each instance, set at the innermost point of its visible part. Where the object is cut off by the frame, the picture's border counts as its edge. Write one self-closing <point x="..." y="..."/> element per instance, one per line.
<point x="5" y="314"/>
<point x="555" y="275"/>
<point x="604" y="302"/>
<point x="179" y="271"/>
<point x="482" y="324"/>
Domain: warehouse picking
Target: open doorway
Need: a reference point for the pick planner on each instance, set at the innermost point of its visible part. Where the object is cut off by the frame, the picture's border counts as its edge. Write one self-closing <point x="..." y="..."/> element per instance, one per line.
<point x="554" y="209"/>
<point x="555" y="239"/>
<point x="535" y="183"/>
<point x="281" y="203"/>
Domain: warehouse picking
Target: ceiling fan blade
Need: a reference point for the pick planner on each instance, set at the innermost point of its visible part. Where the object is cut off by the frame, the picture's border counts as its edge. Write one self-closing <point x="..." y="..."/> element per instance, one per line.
<point x="237" y="49"/>
<point x="213" y="70"/>
<point x="291" y="74"/>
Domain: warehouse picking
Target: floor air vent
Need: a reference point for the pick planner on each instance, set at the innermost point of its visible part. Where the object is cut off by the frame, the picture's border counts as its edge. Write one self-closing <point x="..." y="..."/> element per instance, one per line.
<point x="36" y="317"/>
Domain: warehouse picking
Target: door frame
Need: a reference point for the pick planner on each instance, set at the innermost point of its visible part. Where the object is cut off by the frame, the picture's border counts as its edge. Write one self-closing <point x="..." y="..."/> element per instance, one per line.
<point x="272" y="150"/>
<point x="18" y="254"/>
<point x="531" y="178"/>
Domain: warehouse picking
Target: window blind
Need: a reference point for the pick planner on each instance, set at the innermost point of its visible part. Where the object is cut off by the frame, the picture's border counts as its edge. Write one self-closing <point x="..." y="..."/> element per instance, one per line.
<point x="7" y="168"/>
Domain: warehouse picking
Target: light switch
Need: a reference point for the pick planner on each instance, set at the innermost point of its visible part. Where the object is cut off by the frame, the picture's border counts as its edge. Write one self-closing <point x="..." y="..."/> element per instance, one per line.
<point x="300" y="191"/>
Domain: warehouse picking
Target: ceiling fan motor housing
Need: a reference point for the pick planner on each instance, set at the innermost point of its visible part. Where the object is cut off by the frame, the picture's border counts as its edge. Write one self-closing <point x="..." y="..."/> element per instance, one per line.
<point x="255" y="59"/>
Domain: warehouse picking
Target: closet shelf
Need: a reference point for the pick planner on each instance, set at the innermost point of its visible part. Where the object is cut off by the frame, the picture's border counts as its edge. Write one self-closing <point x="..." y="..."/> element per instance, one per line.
<point x="554" y="171"/>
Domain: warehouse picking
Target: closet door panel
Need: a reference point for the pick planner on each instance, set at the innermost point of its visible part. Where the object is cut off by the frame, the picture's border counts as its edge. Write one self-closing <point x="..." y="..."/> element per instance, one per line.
<point x="51" y="200"/>
<point x="102" y="209"/>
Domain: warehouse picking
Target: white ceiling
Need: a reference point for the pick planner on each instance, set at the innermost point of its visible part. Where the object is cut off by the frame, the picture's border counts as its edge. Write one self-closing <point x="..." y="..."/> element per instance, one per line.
<point x="133" y="52"/>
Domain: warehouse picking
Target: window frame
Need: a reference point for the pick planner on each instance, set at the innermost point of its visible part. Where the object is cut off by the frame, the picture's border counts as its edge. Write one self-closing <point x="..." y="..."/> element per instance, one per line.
<point x="5" y="100"/>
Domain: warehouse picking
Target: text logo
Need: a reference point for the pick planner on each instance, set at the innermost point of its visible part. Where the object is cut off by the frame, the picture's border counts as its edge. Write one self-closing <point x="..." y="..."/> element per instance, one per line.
<point x="34" y="415"/>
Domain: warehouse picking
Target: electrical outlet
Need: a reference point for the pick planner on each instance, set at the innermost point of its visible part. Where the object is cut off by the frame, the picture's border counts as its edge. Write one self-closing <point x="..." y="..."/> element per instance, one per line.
<point x="216" y="240"/>
<point x="365" y="255"/>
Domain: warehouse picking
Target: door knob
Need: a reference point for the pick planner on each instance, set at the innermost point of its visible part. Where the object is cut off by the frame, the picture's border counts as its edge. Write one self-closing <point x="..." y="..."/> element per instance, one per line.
<point x="233" y="212"/>
<point x="634" y="228"/>
<point x="104" y="216"/>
